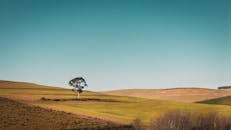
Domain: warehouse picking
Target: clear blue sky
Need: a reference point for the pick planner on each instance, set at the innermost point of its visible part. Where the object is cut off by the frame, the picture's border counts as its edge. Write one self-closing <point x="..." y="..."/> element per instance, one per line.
<point x="117" y="44"/>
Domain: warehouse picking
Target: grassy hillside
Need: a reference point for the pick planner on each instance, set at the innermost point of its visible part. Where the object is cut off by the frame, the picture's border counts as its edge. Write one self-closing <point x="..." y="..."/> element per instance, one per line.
<point x="176" y="94"/>
<point x="15" y="115"/>
<point x="221" y="101"/>
<point x="120" y="109"/>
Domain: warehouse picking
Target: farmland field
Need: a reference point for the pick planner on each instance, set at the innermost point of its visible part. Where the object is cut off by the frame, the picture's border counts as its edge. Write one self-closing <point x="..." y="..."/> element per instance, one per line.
<point x="118" y="109"/>
<point x="173" y="94"/>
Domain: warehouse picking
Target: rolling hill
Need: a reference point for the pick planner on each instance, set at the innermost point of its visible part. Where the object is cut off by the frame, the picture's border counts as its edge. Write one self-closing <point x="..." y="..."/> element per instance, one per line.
<point x="16" y="115"/>
<point x="175" y="94"/>
<point x="118" y="109"/>
<point x="219" y="101"/>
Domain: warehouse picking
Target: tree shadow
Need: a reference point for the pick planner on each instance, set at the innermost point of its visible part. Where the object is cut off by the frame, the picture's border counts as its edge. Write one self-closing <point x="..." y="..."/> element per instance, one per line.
<point x="81" y="99"/>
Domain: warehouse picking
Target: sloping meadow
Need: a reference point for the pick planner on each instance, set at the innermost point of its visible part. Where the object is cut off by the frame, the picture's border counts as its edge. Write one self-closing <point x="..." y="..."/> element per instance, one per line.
<point x="119" y="109"/>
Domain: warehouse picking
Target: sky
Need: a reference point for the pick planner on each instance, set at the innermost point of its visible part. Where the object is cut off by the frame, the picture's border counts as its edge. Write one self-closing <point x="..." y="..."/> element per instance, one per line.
<point x="116" y="44"/>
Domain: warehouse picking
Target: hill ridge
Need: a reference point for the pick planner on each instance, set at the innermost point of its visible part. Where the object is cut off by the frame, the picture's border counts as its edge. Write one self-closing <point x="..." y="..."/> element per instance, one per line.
<point x="192" y="94"/>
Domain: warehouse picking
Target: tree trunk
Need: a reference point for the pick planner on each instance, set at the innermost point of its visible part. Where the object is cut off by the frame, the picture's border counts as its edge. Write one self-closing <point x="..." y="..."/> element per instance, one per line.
<point x="78" y="95"/>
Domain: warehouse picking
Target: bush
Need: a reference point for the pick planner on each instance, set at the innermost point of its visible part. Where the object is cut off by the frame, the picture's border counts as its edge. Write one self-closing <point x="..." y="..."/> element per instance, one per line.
<point x="176" y="120"/>
<point x="212" y="121"/>
<point x="43" y="99"/>
<point x="136" y="124"/>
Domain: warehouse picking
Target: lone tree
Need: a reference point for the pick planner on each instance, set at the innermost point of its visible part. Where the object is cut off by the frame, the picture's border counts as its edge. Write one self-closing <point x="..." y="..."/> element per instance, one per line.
<point x="78" y="83"/>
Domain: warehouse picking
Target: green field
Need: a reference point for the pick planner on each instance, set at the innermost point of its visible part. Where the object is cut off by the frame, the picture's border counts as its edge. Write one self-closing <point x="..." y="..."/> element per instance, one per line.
<point x="219" y="101"/>
<point x="119" y="109"/>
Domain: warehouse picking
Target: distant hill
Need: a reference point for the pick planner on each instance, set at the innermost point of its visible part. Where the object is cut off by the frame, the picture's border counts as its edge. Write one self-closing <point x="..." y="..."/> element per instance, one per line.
<point x="220" y="101"/>
<point x="174" y="94"/>
<point x="23" y="85"/>
<point x="119" y="110"/>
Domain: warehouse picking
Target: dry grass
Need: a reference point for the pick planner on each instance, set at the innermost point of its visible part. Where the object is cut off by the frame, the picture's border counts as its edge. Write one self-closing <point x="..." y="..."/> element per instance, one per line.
<point x="176" y="120"/>
<point x="120" y="109"/>
<point x="177" y="94"/>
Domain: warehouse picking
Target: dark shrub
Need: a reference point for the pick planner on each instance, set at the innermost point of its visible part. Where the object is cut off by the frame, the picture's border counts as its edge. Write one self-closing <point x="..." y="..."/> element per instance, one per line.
<point x="43" y="98"/>
<point x="136" y="124"/>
